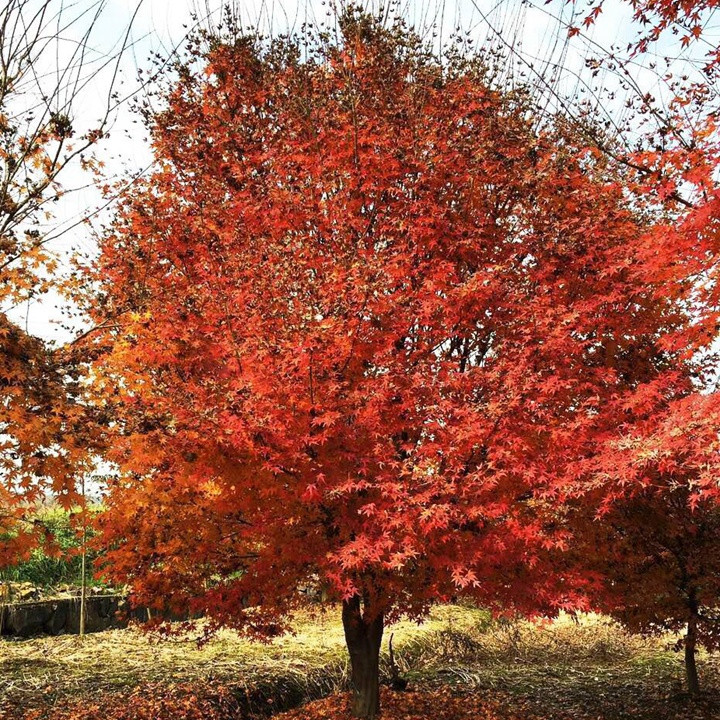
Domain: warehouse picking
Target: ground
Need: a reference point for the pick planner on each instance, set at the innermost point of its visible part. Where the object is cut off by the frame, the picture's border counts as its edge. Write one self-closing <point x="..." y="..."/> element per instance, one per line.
<point x="460" y="664"/>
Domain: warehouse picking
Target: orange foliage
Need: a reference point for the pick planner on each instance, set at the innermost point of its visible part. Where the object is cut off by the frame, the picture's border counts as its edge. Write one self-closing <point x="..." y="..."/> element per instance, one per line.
<point x="371" y="327"/>
<point x="364" y="312"/>
<point x="43" y="429"/>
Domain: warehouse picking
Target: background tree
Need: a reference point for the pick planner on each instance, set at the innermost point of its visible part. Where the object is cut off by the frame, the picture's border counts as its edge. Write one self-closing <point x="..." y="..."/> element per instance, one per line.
<point x="650" y="518"/>
<point x="46" y="61"/>
<point x="364" y="314"/>
<point x="648" y="523"/>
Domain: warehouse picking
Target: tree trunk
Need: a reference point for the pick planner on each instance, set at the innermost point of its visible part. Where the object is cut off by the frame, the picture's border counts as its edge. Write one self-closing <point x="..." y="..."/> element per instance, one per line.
<point x="83" y="567"/>
<point x="693" y="684"/>
<point x="363" y="635"/>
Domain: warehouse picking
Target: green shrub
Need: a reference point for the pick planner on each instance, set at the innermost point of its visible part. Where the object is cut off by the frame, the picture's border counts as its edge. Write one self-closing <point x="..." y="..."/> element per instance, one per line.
<point x="47" y="568"/>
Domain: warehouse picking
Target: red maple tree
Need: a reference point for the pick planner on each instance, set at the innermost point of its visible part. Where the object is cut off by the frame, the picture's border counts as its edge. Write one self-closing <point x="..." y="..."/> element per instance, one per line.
<point x="365" y="314"/>
<point x="647" y="510"/>
<point x="646" y="523"/>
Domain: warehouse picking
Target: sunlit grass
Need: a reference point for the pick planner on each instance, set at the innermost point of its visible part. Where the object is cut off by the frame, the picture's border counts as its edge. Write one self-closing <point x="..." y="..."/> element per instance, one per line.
<point x="564" y="661"/>
<point x="314" y="655"/>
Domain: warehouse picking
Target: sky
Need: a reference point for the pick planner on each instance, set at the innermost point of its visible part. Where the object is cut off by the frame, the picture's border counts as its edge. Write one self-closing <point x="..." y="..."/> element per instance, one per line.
<point x="161" y="25"/>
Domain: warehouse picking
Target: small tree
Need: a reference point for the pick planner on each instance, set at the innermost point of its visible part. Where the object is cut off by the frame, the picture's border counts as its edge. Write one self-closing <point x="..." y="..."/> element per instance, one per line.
<point x="364" y="311"/>
<point x="655" y="539"/>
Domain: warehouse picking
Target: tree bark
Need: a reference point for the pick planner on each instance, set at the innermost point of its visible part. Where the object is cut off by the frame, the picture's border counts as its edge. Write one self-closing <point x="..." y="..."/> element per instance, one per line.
<point x="691" y="674"/>
<point x="363" y="635"/>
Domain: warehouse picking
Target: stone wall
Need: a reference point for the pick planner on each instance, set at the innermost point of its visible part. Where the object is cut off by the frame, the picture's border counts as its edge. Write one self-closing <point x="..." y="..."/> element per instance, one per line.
<point x="62" y="615"/>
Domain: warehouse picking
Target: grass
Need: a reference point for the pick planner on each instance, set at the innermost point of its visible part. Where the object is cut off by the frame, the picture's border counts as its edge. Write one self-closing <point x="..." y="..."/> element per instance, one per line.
<point x="311" y="662"/>
<point x="571" y="668"/>
<point x="565" y="668"/>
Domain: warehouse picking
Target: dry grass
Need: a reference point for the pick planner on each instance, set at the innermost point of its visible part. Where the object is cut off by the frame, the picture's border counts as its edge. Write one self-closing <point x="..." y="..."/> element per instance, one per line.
<point x="567" y="640"/>
<point x="568" y="668"/>
<point x="567" y="664"/>
<point x="309" y="663"/>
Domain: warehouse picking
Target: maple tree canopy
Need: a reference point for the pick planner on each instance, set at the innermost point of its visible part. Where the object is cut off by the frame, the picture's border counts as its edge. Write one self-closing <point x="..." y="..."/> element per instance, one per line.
<point x="367" y="315"/>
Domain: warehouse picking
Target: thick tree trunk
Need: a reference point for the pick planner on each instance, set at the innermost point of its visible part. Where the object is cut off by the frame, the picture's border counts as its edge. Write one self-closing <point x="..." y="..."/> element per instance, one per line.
<point x="691" y="674"/>
<point x="363" y="635"/>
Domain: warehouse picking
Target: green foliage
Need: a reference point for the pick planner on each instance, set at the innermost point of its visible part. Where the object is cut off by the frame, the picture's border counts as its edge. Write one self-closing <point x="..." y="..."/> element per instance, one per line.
<point x="59" y="562"/>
